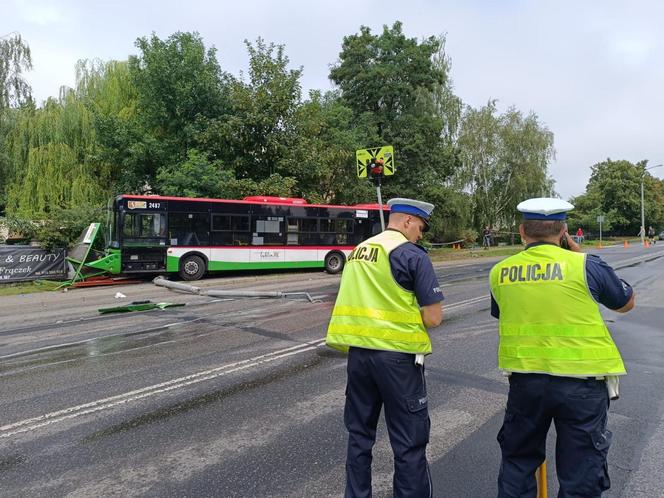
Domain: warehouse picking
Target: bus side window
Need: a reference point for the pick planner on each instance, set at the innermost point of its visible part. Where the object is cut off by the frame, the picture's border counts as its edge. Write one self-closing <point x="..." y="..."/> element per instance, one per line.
<point x="309" y="234"/>
<point x="230" y="229"/>
<point x="188" y="229"/>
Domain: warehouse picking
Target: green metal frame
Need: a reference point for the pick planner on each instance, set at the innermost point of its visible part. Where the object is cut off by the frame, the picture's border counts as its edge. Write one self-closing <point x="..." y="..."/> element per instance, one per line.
<point x="79" y="264"/>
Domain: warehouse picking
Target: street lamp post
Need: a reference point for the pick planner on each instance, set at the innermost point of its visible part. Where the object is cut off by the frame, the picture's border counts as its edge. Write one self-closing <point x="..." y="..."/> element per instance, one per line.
<point x="643" y="218"/>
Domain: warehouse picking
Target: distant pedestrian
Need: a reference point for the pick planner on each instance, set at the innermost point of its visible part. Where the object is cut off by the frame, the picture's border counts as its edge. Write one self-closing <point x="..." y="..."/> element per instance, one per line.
<point x="651" y="234"/>
<point x="486" y="237"/>
<point x="579" y="235"/>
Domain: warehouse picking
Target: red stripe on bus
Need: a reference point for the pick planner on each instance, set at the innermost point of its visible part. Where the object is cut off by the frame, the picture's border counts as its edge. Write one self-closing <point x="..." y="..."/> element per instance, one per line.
<point x="262" y="203"/>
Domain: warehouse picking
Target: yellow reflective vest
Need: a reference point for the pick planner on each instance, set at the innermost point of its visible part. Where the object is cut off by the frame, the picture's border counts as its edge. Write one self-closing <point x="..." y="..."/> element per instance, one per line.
<point x="549" y="322"/>
<point x="372" y="311"/>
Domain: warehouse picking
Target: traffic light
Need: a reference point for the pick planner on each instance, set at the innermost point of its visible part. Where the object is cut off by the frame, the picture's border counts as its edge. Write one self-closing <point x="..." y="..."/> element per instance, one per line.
<point x="375" y="163"/>
<point x="375" y="168"/>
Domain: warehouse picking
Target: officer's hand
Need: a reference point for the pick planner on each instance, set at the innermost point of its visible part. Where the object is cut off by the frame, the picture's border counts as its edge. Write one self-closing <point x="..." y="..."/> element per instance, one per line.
<point x="571" y="244"/>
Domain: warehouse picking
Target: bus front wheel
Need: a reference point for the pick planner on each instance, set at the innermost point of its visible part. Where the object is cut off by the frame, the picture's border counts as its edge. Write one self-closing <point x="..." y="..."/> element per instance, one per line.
<point x="192" y="267"/>
<point x="334" y="262"/>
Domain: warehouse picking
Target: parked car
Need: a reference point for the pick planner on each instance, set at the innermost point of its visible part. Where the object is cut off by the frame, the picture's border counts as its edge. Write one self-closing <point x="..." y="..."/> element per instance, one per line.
<point x="661" y="235"/>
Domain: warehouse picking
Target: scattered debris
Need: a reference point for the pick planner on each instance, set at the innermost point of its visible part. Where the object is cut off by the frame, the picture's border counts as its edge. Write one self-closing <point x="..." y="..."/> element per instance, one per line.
<point x="119" y="295"/>
<point x="139" y="306"/>
<point x="99" y="280"/>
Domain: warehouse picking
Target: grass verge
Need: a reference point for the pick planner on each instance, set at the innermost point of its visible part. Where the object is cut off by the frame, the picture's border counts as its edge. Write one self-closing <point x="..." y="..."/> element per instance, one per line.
<point x="448" y="254"/>
<point x="25" y="288"/>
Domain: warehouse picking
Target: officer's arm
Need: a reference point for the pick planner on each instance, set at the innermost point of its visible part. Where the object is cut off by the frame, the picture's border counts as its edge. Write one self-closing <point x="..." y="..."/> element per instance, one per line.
<point x="606" y="287"/>
<point x="432" y="314"/>
<point x="630" y="304"/>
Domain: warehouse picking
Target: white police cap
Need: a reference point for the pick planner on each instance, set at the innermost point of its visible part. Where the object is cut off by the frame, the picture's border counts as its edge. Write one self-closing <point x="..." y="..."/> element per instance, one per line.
<point x="420" y="209"/>
<point x="544" y="208"/>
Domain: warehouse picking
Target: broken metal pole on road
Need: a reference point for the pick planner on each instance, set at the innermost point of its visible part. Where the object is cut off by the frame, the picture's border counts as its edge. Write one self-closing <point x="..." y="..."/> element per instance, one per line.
<point x="162" y="282"/>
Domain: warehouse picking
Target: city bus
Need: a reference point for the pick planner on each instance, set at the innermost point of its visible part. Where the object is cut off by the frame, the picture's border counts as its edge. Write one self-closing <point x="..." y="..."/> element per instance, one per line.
<point x="190" y="236"/>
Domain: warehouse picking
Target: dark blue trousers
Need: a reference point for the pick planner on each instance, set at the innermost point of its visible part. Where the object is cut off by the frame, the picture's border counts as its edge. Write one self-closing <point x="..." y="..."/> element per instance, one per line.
<point x="377" y="378"/>
<point x="578" y="409"/>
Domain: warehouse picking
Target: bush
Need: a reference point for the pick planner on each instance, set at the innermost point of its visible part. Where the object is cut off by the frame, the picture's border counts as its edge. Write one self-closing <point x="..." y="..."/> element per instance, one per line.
<point x="469" y="236"/>
<point x="64" y="226"/>
<point x="20" y="229"/>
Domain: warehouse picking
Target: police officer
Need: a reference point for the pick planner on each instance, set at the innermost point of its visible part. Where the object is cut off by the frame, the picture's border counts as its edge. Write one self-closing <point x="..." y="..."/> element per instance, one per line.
<point x="560" y="357"/>
<point x="388" y="297"/>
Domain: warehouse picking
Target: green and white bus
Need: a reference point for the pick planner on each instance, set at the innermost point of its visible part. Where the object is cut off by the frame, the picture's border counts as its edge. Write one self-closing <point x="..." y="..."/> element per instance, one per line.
<point x="157" y="234"/>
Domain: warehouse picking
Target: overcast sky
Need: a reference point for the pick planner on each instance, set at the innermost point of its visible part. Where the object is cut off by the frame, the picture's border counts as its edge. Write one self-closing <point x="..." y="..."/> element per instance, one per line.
<point x="592" y="71"/>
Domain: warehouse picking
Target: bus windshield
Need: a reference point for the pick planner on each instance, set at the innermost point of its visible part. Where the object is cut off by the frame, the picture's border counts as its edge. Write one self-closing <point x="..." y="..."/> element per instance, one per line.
<point x="144" y="227"/>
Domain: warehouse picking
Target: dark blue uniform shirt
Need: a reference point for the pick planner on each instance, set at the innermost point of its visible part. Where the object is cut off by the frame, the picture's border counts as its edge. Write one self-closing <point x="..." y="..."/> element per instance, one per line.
<point x="412" y="270"/>
<point x="603" y="283"/>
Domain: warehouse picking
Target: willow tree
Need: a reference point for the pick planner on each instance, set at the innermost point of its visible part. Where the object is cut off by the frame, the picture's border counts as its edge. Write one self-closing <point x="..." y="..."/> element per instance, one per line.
<point x="57" y="160"/>
<point x="15" y="58"/>
<point x="504" y="160"/>
<point x="109" y="94"/>
<point x="48" y="148"/>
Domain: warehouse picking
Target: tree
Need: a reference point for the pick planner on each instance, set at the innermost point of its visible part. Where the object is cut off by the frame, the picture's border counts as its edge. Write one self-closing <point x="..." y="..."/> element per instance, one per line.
<point x="505" y="160"/>
<point x="614" y="191"/>
<point x="258" y="138"/>
<point x="261" y="126"/>
<point x="441" y="100"/>
<point x="15" y="58"/>
<point x="401" y="94"/>
<point x="382" y="74"/>
<point x="195" y="177"/>
<point x="108" y="93"/>
<point x="323" y="155"/>
<point x="50" y="151"/>
<point x="64" y="226"/>
<point x="180" y="87"/>
<point x="62" y="155"/>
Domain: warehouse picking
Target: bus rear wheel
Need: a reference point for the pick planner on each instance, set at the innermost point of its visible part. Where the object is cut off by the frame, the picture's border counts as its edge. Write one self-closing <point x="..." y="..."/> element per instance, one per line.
<point x="192" y="267"/>
<point x="334" y="262"/>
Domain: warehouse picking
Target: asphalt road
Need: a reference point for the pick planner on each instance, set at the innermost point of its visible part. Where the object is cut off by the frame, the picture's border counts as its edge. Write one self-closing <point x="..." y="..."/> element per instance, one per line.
<point x="240" y="398"/>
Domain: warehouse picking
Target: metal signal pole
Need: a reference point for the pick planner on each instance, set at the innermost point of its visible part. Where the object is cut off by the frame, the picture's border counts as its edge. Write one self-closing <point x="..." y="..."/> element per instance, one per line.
<point x="380" y="205"/>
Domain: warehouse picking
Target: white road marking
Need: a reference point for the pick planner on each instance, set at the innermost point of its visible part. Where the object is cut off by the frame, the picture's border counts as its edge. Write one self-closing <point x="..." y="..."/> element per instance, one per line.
<point x="466" y="333"/>
<point x="145" y="392"/>
<point x="463" y="304"/>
